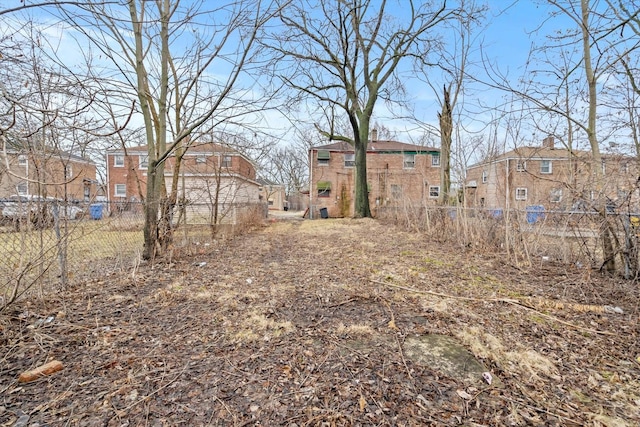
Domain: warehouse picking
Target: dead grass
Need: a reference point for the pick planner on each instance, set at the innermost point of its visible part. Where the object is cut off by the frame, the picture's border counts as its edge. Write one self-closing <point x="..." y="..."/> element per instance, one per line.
<point x="293" y="323"/>
<point x="526" y="363"/>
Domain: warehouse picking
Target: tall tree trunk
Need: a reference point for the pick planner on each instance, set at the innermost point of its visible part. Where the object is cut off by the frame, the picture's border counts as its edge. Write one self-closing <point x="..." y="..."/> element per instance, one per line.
<point x="361" y="140"/>
<point x="446" y="130"/>
<point x="596" y="167"/>
<point x="153" y="189"/>
<point x="164" y="223"/>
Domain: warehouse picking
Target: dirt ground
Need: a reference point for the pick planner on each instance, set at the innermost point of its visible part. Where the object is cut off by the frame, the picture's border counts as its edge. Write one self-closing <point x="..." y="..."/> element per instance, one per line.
<point x="307" y="323"/>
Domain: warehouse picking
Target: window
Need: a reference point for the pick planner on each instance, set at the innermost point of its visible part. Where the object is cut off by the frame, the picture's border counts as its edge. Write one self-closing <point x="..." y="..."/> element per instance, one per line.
<point x="545" y="166"/>
<point x="521" y="194"/>
<point x="434" y="191"/>
<point x="118" y="161"/>
<point x="323" y="157"/>
<point x="144" y="161"/>
<point x="625" y="167"/>
<point x="556" y="195"/>
<point x="226" y="161"/>
<point x="324" y="188"/>
<point x="349" y="160"/>
<point x="484" y="177"/>
<point x="121" y="190"/>
<point x="521" y="166"/>
<point x="396" y="191"/>
<point x="604" y="167"/>
<point x="68" y="172"/>
<point x="435" y="159"/>
<point x="22" y="188"/>
<point x="409" y="161"/>
<point x="22" y="160"/>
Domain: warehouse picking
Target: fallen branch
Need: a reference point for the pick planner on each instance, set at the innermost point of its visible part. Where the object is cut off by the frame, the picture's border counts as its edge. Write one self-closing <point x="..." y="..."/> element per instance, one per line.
<point x="501" y="300"/>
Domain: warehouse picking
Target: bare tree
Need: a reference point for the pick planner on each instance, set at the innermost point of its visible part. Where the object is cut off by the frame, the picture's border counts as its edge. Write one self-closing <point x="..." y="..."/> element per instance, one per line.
<point x="44" y="109"/>
<point x="453" y="61"/>
<point x="590" y="49"/>
<point x="183" y="63"/>
<point x="344" y="55"/>
<point x="43" y="4"/>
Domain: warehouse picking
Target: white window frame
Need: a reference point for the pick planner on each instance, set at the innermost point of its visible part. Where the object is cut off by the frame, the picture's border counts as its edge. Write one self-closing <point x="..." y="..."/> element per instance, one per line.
<point x="546" y="170"/>
<point x="556" y="195"/>
<point x="144" y="161"/>
<point x="435" y="160"/>
<point x="409" y="161"/>
<point x="118" y="160"/>
<point x="68" y="172"/>
<point x="122" y="192"/>
<point x="22" y="188"/>
<point x="226" y="161"/>
<point x="604" y="166"/>
<point x="521" y="166"/>
<point x="521" y="193"/>
<point x="396" y="191"/>
<point x="485" y="177"/>
<point x="22" y="160"/>
<point x="201" y="158"/>
<point x="349" y="160"/>
<point x="434" y="191"/>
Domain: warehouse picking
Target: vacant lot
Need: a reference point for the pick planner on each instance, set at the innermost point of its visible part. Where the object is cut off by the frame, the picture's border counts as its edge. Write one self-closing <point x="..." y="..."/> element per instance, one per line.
<point x="316" y="323"/>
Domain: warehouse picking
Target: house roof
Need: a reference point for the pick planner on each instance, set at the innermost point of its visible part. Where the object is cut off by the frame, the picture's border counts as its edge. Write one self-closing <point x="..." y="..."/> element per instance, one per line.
<point x="265" y="181"/>
<point x="197" y="147"/>
<point x="537" y="153"/>
<point x="378" y="146"/>
<point x="50" y="152"/>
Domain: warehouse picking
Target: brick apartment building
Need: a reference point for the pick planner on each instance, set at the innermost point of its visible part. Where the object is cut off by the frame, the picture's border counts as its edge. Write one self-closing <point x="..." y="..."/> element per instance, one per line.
<point x="210" y="173"/>
<point x="47" y="173"/>
<point x="555" y="178"/>
<point x="398" y="174"/>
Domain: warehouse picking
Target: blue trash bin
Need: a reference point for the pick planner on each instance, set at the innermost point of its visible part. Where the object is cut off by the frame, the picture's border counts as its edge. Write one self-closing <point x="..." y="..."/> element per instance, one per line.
<point x="95" y="211"/>
<point x="535" y="213"/>
<point x="324" y="213"/>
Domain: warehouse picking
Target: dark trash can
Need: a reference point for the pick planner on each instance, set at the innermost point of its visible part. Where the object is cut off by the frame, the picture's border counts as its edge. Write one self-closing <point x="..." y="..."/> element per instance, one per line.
<point x="324" y="213"/>
<point x="535" y="213"/>
<point x="95" y="211"/>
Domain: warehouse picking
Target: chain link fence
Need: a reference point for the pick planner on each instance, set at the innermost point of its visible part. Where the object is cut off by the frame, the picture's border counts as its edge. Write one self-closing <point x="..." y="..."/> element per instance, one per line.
<point x="45" y="243"/>
<point x="531" y="235"/>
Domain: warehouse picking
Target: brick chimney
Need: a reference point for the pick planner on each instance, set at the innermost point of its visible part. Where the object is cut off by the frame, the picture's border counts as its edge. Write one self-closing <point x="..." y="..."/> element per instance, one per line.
<point x="374" y="135"/>
<point x="548" y="142"/>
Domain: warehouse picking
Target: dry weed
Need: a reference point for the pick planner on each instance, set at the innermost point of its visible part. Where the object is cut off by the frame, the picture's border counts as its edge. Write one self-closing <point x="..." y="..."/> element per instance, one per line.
<point x="525" y="362"/>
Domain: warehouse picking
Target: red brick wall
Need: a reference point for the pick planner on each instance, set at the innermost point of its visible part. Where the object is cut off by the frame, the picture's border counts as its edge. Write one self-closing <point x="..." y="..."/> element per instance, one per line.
<point x="390" y="183"/>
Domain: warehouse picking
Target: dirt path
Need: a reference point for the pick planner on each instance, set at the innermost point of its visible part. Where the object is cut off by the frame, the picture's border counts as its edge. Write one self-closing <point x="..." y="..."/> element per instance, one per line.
<point x="307" y="322"/>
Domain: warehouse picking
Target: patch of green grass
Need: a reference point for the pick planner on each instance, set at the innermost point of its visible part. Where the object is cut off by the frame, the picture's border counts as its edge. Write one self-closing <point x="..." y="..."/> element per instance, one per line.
<point x="435" y="262"/>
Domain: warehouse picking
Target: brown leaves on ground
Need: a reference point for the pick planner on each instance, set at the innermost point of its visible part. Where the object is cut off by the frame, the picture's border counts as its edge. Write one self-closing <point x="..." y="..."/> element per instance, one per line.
<point x="293" y="325"/>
